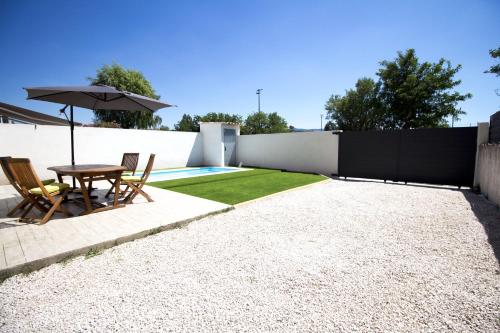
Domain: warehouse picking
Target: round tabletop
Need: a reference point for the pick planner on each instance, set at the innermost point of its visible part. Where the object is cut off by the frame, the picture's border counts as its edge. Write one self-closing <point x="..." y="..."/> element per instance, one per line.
<point x="79" y="169"/>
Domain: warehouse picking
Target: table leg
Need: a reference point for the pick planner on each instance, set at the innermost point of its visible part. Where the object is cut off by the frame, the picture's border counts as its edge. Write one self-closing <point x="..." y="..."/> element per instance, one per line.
<point x="117" y="191"/>
<point x="59" y="178"/>
<point x="89" y="188"/>
<point x="86" y="198"/>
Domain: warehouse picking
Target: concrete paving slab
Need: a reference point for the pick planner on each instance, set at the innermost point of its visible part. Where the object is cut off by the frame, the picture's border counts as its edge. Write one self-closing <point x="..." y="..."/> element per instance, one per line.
<point x="26" y="246"/>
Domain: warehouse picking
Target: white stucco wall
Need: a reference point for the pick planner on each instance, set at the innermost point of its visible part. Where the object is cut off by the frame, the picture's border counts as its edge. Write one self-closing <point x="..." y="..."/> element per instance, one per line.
<point x="483" y="134"/>
<point x="212" y="134"/>
<point x="50" y="145"/>
<point x="489" y="171"/>
<point x="213" y="148"/>
<point x="302" y="151"/>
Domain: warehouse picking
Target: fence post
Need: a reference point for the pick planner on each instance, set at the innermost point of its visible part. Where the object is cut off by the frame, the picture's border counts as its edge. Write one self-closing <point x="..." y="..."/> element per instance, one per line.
<point x="483" y="131"/>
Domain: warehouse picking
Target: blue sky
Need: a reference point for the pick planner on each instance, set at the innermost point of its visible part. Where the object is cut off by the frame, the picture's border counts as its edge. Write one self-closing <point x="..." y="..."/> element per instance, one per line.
<point x="211" y="56"/>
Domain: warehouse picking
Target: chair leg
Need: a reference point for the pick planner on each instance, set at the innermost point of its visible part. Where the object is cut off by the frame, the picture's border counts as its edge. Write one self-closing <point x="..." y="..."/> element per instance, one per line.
<point x="63" y="209"/>
<point x="122" y="193"/>
<point x="138" y="190"/>
<point x="30" y="207"/>
<point x="52" y="210"/>
<point x="127" y="199"/>
<point x="41" y="207"/>
<point x="110" y="190"/>
<point x="20" y="205"/>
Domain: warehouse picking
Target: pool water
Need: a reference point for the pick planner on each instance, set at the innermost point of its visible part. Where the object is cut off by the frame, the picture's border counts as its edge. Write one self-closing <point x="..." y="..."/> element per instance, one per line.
<point x="159" y="175"/>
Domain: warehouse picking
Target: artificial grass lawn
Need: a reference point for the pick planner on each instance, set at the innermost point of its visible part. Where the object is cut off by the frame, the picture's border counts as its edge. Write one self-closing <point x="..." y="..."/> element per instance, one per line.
<point x="235" y="187"/>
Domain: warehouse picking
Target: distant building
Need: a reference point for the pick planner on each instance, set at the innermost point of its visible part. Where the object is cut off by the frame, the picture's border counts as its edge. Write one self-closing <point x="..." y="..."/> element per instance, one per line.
<point x="11" y="114"/>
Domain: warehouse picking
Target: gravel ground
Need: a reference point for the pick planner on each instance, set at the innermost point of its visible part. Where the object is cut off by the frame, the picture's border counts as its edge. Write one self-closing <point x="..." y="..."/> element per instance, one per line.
<point x="337" y="256"/>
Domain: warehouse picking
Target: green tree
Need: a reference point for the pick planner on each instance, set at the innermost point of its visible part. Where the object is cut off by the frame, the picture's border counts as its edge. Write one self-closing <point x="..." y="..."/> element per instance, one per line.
<point x="131" y="81"/>
<point x="261" y="122"/>
<point x="358" y="110"/>
<point x="222" y="117"/>
<point x="495" y="69"/>
<point x="418" y="94"/>
<point x="192" y="124"/>
<point x="276" y="123"/>
<point x="188" y="124"/>
<point x="329" y="126"/>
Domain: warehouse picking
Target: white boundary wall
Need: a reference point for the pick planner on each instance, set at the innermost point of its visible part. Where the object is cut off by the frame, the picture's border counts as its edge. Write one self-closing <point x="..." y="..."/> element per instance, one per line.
<point x="300" y="151"/>
<point x="50" y="145"/>
<point x="489" y="171"/>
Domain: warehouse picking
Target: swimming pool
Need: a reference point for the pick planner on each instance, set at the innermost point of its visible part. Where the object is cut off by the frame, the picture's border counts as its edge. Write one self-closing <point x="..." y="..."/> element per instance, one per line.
<point x="168" y="174"/>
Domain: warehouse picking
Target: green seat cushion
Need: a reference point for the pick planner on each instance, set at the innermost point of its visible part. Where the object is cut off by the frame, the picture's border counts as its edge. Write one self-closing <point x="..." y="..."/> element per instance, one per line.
<point x="48" y="181"/>
<point x="54" y="187"/>
<point x="132" y="178"/>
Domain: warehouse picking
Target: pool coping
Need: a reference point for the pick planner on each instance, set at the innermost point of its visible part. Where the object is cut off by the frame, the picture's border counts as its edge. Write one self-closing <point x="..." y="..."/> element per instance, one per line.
<point x="234" y="169"/>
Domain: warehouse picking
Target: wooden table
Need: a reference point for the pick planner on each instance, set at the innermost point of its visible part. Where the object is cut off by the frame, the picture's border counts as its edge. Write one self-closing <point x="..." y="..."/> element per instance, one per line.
<point x="89" y="173"/>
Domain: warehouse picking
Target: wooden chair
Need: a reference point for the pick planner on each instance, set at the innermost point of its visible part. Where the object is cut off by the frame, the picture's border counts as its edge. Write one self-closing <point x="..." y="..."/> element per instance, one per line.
<point x="137" y="182"/>
<point x="130" y="161"/>
<point x="35" y="191"/>
<point x="10" y="177"/>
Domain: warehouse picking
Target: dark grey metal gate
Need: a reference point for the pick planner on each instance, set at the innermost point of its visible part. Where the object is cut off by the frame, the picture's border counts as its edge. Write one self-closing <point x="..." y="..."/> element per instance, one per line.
<point x="495" y="128"/>
<point x="229" y="146"/>
<point x="434" y="156"/>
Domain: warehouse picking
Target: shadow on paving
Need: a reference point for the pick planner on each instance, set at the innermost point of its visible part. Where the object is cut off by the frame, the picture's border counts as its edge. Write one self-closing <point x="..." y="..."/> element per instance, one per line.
<point x="75" y="205"/>
<point x="488" y="215"/>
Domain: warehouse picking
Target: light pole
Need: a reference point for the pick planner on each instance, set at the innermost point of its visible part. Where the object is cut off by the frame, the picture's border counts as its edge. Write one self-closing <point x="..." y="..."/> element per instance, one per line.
<point x="258" y="97"/>
<point x="321" y="128"/>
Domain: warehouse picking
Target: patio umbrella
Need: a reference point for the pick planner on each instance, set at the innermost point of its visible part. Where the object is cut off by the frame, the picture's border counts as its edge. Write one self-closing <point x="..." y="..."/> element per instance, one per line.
<point x="95" y="97"/>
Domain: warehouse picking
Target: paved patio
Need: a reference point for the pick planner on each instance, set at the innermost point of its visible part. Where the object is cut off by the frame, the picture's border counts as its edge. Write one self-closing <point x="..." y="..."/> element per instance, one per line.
<point x="25" y="247"/>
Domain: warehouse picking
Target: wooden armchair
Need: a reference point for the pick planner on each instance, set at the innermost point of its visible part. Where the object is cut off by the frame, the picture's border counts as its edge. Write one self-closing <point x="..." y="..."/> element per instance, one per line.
<point x="130" y="161"/>
<point x="35" y="192"/>
<point x="137" y="182"/>
<point x="10" y="177"/>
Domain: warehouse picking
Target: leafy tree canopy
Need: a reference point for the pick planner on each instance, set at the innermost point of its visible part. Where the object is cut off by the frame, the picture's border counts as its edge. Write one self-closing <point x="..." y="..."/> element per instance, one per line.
<point x="222" y="117"/>
<point x="418" y="94"/>
<point x="408" y="94"/>
<point x="188" y="124"/>
<point x="192" y="123"/>
<point x="255" y="123"/>
<point x="495" y="69"/>
<point x="358" y="110"/>
<point x="261" y="122"/>
<point x="131" y="81"/>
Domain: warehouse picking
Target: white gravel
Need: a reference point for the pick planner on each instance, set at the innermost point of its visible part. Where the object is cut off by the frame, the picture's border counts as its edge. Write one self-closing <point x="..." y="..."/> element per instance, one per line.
<point x="337" y="256"/>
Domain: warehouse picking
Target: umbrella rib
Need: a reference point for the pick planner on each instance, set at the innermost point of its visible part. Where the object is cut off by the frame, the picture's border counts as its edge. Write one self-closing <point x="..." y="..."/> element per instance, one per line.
<point x="51" y="94"/>
<point x="115" y="98"/>
<point x="93" y="96"/>
<point x="133" y="100"/>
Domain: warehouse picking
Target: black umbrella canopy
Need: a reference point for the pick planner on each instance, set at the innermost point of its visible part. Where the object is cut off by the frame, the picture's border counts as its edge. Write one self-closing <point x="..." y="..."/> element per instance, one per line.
<point x="97" y="97"/>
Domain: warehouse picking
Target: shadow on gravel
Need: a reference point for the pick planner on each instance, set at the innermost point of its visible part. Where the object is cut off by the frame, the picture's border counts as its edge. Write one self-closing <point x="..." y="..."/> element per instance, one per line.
<point x="489" y="215"/>
<point x="390" y="182"/>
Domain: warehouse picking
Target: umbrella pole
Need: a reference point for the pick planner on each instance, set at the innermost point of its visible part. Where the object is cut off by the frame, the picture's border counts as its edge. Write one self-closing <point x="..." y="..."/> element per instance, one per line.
<point x="72" y="128"/>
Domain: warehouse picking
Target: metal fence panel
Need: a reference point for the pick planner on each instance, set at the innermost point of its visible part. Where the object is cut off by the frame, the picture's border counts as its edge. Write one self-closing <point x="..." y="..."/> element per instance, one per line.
<point x="438" y="155"/>
<point x="495" y="128"/>
<point x="369" y="154"/>
<point x="434" y="156"/>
